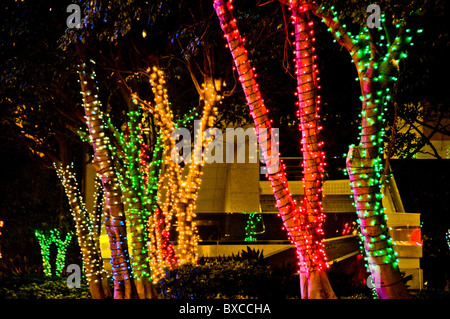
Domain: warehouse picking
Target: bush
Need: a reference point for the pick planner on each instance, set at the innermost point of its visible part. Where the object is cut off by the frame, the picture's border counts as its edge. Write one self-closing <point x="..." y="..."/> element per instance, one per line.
<point x="431" y="293"/>
<point x="229" y="279"/>
<point x="40" y="287"/>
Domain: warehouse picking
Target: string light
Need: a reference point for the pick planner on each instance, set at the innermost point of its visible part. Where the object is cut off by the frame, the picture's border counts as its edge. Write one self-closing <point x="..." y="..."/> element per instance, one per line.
<point x="377" y="73"/>
<point x="313" y="255"/>
<point x="114" y="217"/>
<point x="87" y="225"/>
<point x="250" y="227"/>
<point x="45" y="240"/>
<point x="298" y="226"/>
<point x="173" y="192"/>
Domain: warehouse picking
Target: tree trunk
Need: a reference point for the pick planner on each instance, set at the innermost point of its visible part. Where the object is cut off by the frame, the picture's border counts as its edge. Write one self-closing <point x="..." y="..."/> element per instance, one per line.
<point x="139" y="252"/>
<point x="114" y="217"/>
<point x="365" y="168"/>
<point x="162" y="254"/>
<point x="133" y="192"/>
<point x="90" y="248"/>
<point x="294" y="218"/>
<point x="169" y="181"/>
<point x="153" y="190"/>
<point x="376" y="74"/>
<point x="188" y="238"/>
<point x="378" y="244"/>
<point x="314" y="258"/>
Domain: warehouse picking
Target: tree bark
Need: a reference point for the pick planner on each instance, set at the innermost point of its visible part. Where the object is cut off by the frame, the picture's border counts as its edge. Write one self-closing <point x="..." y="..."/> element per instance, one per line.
<point x="313" y="278"/>
<point x="365" y="169"/>
<point x="378" y="244"/>
<point x="188" y="238"/>
<point x="294" y="218"/>
<point x="137" y="214"/>
<point x="90" y="248"/>
<point x="376" y="74"/>
<point x="168" y="184"/>
<point x="114" y="217"/>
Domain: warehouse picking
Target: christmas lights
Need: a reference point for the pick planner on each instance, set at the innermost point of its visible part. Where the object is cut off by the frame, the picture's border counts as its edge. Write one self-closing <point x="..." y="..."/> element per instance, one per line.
<point x="175" y="191"/>
<point x="250" y="228"/>
<point x="114" y="215"/>
<point x="313" y="155"/>
<point x="87" y="227"/>
<point x="295" y="220"/>
<point x="45" y="240"/>
<point x="377" y="73"/>
<point x="187" y="230"/>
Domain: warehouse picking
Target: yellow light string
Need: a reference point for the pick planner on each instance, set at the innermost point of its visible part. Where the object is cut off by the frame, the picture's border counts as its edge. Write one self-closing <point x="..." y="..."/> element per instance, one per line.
<point x="86" y="232"/>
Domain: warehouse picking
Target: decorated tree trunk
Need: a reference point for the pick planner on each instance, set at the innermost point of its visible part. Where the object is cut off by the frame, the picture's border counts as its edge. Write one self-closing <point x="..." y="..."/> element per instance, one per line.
<point x="174" y="192"/>
<point x="138" y="238"/>
<point x="168" y="184"/>
<point x="376" y="73"/>
<point x="303" y="229"/>
<point x="188" y="238"/>
<point x="313" y="156"/>
<point x="135" y="200"/>
<point x="148" y="185"/>
<point x="114" y="217"/>
<point x="90" y="246"/>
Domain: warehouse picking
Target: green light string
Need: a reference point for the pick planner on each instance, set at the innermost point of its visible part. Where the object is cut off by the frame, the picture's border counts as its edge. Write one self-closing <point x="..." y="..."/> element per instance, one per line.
<point x="377" y="74"/>
<point x="45" y="240"/>
<point x="131" y="180"/>
<point x="250" y="228"/>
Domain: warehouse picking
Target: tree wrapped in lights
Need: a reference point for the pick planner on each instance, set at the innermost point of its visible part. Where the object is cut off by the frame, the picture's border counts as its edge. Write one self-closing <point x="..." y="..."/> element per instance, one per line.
<point x="139" y="174"/>
<point x="87" y="225"/>
<point x="302" y="222"/>
<point x="136" y="195"/>
<point x="173" y="194"/>
<point x="187" y="230"/>
<point x="114" y="213"/>
<point x="376" y="57"/>
<point x="174" y="191"/>
<point x="45" y="240"/>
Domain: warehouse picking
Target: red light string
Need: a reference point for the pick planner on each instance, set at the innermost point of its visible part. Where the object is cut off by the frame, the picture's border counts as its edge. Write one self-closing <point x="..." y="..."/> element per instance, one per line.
<point x="313" y="156"/>
<point x="296" y="222"/>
